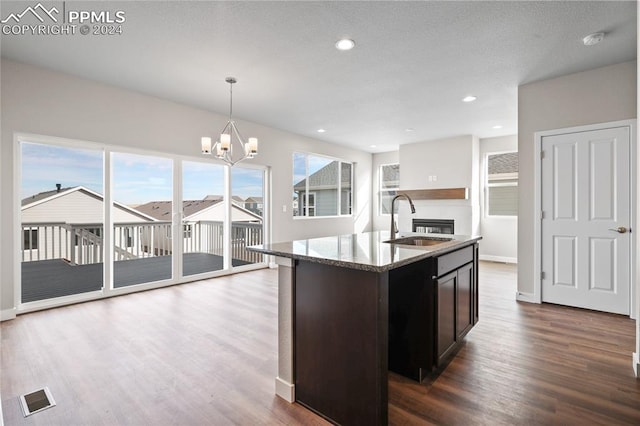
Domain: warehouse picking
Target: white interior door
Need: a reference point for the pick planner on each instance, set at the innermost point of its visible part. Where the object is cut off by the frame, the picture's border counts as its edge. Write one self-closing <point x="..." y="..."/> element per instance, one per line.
<point x="586" y="215"/>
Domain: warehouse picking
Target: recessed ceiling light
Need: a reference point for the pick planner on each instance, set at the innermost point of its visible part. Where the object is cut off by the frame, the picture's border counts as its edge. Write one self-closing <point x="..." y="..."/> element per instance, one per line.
<point x="345" y="44"/>
<point x="592" y="39"/>
<point x="409" y="129"/>
<point x="321" y="130"/>
<point x="469" y="98"/>
<point x="497" y="126"/>
<point x="372" y="146"/>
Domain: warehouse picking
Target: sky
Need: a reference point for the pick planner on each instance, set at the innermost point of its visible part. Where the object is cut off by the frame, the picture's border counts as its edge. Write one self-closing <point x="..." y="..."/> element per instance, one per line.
<point x="136" y="179"/>
<point x="299" y="165"/>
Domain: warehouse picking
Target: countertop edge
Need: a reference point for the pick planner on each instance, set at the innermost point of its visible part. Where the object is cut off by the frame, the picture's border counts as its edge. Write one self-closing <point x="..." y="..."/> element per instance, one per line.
<point x="419" y="255"/>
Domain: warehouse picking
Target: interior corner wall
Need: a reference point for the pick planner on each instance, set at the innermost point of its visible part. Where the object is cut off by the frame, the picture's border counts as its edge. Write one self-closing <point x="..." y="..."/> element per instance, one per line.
<point x="39" y="101"/>
<point x="596" y="96"/>
<point x="475" y="185"/>
<point x="380" y="222"/>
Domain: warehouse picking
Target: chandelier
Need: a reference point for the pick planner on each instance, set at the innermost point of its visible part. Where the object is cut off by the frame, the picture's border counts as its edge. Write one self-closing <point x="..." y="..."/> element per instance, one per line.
<point x="229" y="137"/>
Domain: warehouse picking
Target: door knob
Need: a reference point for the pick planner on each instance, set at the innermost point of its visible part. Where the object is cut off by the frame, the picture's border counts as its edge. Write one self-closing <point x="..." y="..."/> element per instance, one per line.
<point x="619" y="229"/>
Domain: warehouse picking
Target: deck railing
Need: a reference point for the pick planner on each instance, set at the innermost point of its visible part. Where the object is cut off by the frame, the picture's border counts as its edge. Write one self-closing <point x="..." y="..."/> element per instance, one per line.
<point x="83" y="244"/>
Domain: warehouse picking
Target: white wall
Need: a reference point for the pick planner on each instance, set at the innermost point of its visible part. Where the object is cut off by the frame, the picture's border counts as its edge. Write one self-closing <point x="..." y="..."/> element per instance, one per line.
<point x="636" y="354"/>
<point x="596" y="96"/>
<point x="380" y="222"/>
<point x="39" y="101"/>
<point x="454" y="162"/>
<point x="499" y="233"/>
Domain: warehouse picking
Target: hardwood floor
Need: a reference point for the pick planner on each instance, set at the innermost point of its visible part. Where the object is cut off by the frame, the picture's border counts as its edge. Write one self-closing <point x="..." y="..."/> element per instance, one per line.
<point x="528" y="364"/>
<point x="205" y="353"/>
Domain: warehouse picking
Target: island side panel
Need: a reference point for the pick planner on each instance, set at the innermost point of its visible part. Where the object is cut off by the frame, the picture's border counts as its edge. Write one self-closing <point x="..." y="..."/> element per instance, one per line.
<point x="285" y="388"/>
<point x="341" y="342"/>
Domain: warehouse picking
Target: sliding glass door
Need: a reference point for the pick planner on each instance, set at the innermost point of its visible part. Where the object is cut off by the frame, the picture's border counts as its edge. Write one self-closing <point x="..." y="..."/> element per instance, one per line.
<point x="142" y="212"/>
<point x="203" y="216"/>
<point x="247" y="214"/>
<point x="65" y="244"/>
<point x="62" y="221"/>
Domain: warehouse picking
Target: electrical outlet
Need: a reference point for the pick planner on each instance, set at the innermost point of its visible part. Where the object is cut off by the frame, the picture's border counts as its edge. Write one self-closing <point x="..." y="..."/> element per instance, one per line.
<point x="435" y="178"/>
<point x="284" y="208"/>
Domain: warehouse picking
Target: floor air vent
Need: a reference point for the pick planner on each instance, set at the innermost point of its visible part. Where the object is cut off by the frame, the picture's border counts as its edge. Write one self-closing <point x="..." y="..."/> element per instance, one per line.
<point x="36" y="401"/>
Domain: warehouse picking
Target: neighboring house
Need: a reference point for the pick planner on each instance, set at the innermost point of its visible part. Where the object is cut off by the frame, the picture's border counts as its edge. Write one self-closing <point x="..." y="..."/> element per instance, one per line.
<point x="502" y="184"/>
<point x="323" y="186"/>
<point x="254" y="204"/>
<point x="236" y="200"/>
<point x="202" y="228"/>
<point x="67" y="223"/>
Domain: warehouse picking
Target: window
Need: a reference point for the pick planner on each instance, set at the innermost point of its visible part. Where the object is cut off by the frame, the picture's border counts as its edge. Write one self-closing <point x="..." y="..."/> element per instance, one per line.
<point x="345" y="188"/>
<point x="186" y="231"/>
<point x="128" y="238"/>
<point x="389" y="183"/>
<point x="502" y="184"/>
<point x="322" y="186"/>
<point x="312" y="203"/>
<point x="30" y="239"/>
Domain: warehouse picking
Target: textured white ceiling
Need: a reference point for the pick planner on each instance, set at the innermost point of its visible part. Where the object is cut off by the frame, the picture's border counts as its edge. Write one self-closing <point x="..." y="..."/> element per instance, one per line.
<point x="412" y="65"/>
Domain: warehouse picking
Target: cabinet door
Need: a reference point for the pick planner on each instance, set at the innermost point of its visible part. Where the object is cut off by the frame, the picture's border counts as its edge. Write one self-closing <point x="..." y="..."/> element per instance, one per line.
<point x="446" y="314"/>
<point x="464" y="302"/>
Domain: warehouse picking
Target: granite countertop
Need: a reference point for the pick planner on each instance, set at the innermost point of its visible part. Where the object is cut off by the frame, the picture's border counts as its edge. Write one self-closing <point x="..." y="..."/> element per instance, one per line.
<point x="366" y="251"/>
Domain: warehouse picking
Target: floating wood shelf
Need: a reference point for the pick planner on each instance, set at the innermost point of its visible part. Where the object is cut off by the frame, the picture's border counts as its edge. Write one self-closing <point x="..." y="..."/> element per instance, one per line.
<point x="437" y="194"/>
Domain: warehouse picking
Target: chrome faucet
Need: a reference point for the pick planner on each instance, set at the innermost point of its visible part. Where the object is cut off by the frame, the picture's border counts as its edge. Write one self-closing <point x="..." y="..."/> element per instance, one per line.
<point x="394" y="226"/>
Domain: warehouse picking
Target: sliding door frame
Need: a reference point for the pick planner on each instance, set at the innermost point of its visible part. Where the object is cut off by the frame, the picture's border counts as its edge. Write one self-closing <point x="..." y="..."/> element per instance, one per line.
<point x="108" y="289"/>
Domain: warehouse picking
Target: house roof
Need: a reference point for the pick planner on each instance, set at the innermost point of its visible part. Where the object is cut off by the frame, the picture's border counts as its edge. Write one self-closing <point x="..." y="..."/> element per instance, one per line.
<point x="253" y="200"/>
<point x="162" y="210"/>
<point x="46" y="194"/>
<point x="326" y="178"/>
<point x="391" y="175"/>
<point x="43" y="197"/>
<point x="503" y="163"/>
<point x="214" y="197"/>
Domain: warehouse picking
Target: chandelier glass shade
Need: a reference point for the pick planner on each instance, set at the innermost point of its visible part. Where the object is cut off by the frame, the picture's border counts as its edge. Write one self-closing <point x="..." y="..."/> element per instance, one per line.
<point x="229" y="138"/>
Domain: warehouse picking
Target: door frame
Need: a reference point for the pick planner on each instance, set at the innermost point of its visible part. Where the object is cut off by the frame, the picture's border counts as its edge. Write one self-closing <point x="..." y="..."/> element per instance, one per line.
<point x="537" y="178"/>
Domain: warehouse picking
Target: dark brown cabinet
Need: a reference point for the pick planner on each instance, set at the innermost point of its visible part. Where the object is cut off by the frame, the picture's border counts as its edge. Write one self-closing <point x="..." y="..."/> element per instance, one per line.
<point x="456" y="297"/>
<point x="432" y="306"/>
<point x="446" y="314"/>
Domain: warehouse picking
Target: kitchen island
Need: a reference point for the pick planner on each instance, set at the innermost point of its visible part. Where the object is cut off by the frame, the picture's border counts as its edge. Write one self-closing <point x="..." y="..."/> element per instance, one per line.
<point x="353" y="307"/>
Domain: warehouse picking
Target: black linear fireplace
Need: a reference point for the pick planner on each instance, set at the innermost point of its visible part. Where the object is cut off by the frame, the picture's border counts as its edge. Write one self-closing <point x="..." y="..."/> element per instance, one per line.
<point x="433" y="226"/>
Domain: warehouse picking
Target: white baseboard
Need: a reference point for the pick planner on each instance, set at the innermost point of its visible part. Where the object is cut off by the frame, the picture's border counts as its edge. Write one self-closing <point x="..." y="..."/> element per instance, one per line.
<point x="525" y="297"/>
<point x="502" y="259"/>
<point x="8" y="314"/>
<point x="636" y="364"/>
<point x="285" y="390"/>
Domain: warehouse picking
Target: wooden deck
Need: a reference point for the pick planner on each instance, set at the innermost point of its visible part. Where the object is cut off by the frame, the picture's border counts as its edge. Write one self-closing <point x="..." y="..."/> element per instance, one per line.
<point x="47" y="279"/>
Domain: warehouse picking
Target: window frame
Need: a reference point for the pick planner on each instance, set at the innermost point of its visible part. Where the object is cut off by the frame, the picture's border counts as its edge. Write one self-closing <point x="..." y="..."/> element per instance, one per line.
<point x="304" y="200"/>
<point x="30" y="236"/>
<point x="382" y="190"/>
<point x="488" y="185"/>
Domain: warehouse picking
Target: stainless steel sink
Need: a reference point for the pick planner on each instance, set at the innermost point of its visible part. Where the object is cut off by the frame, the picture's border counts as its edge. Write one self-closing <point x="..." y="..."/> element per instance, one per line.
<point x="418" y="241"/>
